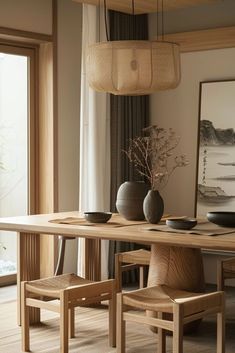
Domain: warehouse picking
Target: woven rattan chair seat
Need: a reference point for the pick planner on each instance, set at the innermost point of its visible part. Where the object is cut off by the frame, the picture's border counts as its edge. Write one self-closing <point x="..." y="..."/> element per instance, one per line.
<point x="52" y="286"/>
<point x="71" y="291"/>
<point x="157" y="298"/>
<point x="229" y="266"/>
<point x="141" y="257"/>
<point x="168" y="309"/>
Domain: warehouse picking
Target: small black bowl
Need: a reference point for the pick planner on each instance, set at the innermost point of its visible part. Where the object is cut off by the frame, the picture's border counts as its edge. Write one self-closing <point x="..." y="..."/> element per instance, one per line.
<point x="181" y="223"/>
<point x="97" y="217"/>
<point x="223" y="218"/>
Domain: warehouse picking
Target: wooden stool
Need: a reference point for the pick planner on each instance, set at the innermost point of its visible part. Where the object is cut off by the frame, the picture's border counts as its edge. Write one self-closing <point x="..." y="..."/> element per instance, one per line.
<point x="72" y="291"/>
<point x="225" y="270"/>
<point x="133" y="259"/>
<point x="184" y="306"/>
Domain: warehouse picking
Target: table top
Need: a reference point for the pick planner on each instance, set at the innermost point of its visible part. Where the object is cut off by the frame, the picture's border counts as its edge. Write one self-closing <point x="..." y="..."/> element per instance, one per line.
<point x="116" y="229"/>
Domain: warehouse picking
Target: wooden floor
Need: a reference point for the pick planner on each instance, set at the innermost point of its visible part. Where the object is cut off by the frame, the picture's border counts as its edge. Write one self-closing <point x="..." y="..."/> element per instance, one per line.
<point x="91" y="331"/>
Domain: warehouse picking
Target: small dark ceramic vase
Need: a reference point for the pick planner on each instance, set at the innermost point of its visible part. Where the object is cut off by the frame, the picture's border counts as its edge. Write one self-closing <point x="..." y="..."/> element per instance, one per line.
<point x="130" y="197"/>
<point x="153" y="207"/>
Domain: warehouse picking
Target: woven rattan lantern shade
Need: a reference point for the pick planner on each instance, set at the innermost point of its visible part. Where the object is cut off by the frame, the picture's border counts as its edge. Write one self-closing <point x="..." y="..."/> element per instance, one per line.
<point x="133" y="67"/>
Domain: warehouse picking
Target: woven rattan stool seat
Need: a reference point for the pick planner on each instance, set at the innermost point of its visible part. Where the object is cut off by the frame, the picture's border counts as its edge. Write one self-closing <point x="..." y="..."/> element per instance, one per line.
<point x="129" y="260"/>
<point x="183" y="306"/>
<point x="71" y="291"/>
<point x="141" y="257"/>
<point x="229" y="266"/>
<point x="163" y="298"/>
<point x="52" y="286"/>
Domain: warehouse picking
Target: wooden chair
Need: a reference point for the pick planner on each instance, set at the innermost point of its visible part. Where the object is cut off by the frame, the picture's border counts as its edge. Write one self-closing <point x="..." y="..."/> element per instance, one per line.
<point x="60" y="261"/>
<point x="184" y="306"/>
<point x="72" y="291"/>
<point x="225" y="270"/>
<point x="132" y="260"/>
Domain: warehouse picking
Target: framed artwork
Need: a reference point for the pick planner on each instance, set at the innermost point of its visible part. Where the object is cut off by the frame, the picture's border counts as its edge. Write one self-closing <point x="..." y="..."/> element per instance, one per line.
<point x="216" y="148"/>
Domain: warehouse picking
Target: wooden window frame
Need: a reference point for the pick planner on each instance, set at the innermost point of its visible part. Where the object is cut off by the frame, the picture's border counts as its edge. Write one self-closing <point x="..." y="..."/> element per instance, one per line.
<point x="44" y="173"/>
<point x="31" y="53"/>
<point x="13" y="48"/>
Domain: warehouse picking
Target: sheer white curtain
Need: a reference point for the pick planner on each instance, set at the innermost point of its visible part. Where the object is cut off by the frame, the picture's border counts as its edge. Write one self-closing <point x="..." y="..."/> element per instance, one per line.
<point x="95" y="139"/>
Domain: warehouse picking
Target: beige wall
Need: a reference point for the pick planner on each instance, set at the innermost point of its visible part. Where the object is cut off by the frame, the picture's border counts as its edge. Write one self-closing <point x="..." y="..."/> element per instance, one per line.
<point x="178" y="109"/>
<point x="69" y="77"/>
<point x="27" y="15"/>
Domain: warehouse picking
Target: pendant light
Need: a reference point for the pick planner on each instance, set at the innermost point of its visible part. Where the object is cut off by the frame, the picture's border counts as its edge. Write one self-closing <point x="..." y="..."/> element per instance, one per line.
<point x="134" y="67"/>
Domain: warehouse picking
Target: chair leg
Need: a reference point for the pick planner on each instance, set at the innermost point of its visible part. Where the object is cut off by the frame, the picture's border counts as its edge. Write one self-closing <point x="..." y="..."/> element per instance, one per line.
<point x="24" y="320"/>
<point x="72" y="323"/>
<point x="121" y="326"/>
<point x="141" y="276"/>
<point x="118" y="273"/>
<point x="64" y="322"/>
<point x="112" y="318"/>
<point x="161" y="337"/>
<point x="178" y="329"/>
<point x="60" y="261"/>
<point x="221" y="327"/>
<point x="220" y="276"/>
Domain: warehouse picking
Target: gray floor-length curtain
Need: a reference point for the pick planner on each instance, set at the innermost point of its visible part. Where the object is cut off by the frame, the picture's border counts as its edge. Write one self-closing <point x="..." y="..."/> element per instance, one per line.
<point x="128" y="116"/>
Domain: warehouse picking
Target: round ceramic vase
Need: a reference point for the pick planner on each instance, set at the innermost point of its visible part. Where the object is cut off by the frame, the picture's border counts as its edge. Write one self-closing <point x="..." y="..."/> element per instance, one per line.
<point x="153" y="207"/>
<point x="130" y="197"/>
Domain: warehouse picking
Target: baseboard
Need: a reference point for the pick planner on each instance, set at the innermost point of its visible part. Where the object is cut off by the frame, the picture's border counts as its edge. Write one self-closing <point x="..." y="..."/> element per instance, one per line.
<point x="7" y="280"/>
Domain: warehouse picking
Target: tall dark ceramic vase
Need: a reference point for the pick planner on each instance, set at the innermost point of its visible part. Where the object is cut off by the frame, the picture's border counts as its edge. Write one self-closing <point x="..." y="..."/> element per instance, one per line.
<point x="130" y="197"/>
<point x="153" y="206"/>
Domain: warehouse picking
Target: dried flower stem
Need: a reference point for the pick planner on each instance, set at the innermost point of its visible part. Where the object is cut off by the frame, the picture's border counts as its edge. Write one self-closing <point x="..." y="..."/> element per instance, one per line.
<point x="150" y="155"/>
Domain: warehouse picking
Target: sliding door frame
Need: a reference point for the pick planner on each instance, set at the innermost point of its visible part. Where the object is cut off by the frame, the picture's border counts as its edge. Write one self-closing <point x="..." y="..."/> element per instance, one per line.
<point x="10" y="47"/>
<point x="32" y="54"/>
<point x="42" y="49"/>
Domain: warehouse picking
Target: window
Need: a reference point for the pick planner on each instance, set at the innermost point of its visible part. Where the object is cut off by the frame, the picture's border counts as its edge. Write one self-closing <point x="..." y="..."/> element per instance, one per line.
<point x="17" y="146"/>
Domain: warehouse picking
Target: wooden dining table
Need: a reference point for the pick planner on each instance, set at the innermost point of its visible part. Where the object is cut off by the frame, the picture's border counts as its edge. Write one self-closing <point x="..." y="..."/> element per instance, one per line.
<point x="175" y="257"/>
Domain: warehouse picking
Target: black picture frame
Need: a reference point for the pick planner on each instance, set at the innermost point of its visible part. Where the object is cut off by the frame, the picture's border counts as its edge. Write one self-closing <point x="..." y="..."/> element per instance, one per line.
<point x="215" y="182"/>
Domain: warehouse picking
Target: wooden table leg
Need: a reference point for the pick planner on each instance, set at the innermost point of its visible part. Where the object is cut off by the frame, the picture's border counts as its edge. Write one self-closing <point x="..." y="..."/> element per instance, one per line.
<point x="28" y="268"/>
<point x="179" y="268"/>
<point x="93" y="259"/>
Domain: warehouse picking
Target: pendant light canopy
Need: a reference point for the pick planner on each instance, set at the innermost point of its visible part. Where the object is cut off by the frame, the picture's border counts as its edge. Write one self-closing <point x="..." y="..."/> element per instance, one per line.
<point x="133" y="67"/>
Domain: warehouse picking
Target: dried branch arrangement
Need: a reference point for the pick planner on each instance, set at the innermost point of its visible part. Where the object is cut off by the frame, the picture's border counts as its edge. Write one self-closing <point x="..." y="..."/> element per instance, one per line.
<point x="151" y="155"/>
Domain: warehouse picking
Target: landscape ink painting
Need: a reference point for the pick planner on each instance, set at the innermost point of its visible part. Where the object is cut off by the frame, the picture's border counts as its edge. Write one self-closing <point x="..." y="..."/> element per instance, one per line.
<point x="216" y="155"/>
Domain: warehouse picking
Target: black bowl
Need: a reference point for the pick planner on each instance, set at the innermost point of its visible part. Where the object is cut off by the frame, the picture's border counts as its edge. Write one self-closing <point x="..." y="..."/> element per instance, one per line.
<point x="181" y="223"/>
<point x="223" y="218"/>
<point x="97" y="217"/>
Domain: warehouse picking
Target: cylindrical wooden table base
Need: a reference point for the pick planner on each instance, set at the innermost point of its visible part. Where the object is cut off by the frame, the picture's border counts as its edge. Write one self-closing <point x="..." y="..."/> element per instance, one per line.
<point x="177" y="267"/>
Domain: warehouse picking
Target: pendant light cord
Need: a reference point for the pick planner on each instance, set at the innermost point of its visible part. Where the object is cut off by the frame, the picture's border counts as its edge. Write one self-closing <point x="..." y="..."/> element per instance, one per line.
<point x="162" y="22"/>
<point x="99" y="22"/>
<point x="157" y="21"/>
<point x="133" y="7"/>
<point x="160" y="16"/>
<point x="133" y="18"/>
<point x="106" y="22"/>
